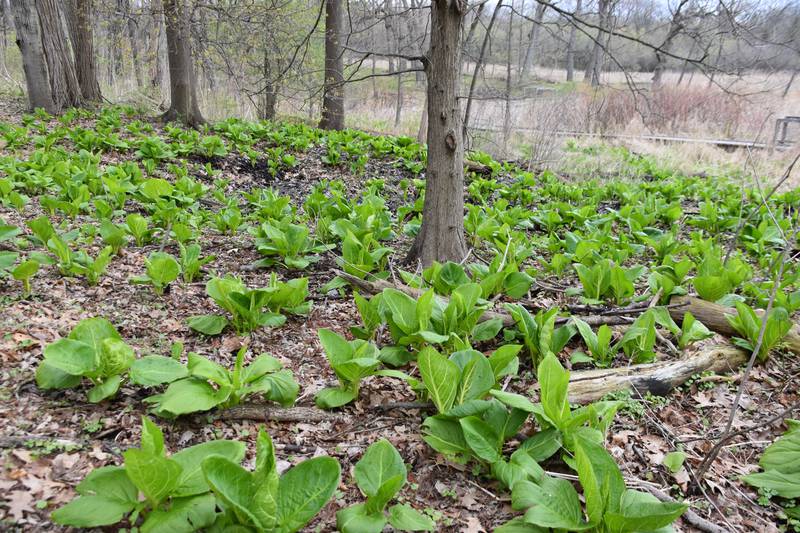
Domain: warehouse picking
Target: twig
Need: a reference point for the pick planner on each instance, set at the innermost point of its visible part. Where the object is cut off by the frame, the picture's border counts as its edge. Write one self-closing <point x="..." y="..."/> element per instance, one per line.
<point x="689" y="516"/>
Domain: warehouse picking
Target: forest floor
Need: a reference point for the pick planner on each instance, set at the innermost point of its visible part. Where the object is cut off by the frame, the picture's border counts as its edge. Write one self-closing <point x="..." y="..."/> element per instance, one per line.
<point x="50" y="440"/>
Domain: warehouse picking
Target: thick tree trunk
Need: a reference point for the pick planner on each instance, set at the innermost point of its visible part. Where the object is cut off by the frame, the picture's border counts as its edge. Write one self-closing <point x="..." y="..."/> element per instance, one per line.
<point x="154" y="47"/>
<point x="533" y="37"/>
<point x="29" y="41"/>
<point x="333" y="90"/>
<point x="441" y="236"/>
<point x="675" y="27"/>
<point x="80" y="34"/>
<point x="571" y="44"/>
<point x="183" y="94"/>
<point x="60" y="65"/>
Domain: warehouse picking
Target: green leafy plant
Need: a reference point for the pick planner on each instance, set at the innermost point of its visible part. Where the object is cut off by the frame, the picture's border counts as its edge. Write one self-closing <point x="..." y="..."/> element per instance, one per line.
<point x="599" y="343"/>
<point x="191" y="262"/>
<point x="780" y="465"/>
<point x="381" y="474"/>
<point x="553" y="503"/>
<point x="287" y="243"/>
<point x="264" y="501"/>
<point x="139" y="228"/>
<point x="692" y="330"/>
<point x="361" y="257"/>
<point x="748" y="324"/>
<point x="167" y="492"/>
<point x="204" y="384"/>
<point x="161" y="269"/>
<point x="24" y="272"/>
<point x="246" y="306"/>
<point x="93" y="350"/>
<point x="351" y="361"/>
<point x="539" y="333"/>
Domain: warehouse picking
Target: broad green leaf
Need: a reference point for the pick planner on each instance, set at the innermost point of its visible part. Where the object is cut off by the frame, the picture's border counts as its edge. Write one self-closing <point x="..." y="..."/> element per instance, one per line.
<point x="233" y="485"/>
<point x="304" y="490"/>
<point x="403" y="517"/>
<point x="380" y="467"/>
<point x="155" y="476"/>
<point x="516" y="401"/>
<point x="189" y="396"/>
<point x="357" y="519"/>
<point x="640" y="511"/>
<point x="152" y="370"/>
<point x="554" y="384"/>
<point x="192" y="481"/>
<point x="207" y="324"/>
<point x="440" y="376"/>
<point x="481" y="438"/>
<point x="106" y="389"/>
<point x="71" y="357"/>
<point x="184" y="515"/>
<point x="91" y="511"/>
<point x="674" y="461"/>
<point x="600" y="478"/>
<point x="551" y="504"/>
<point x="152" y="439"/>
<point x="51" y="377"/>
<point x="333" y="397"/>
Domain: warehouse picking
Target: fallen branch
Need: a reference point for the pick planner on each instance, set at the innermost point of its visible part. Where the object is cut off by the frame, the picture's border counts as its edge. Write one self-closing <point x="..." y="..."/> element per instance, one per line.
<point x="713" y="317"/>
<point x="690" y="517"/>
<point x="265" y="413"/>
<point x="654" y="378"/>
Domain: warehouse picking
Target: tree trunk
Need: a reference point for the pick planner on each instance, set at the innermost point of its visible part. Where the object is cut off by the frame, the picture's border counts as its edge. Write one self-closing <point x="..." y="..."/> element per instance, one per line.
<point x="507" y="106"/>
<point x="80" y="34"/>
<point x="486" y="38"/>
<point x="398" y="108"/>
<point x="529" y="62"/>
<point x="571" y="45"/>
<point x="333" y="90"/>
<point x="592" y="74"/>
<point x="675" y="27"/>
<point x="29" y="41"/>
<point x="441" y="236"/>
<point x="154" y="47"/>
<point x="60" y="65"/>
<point x="134" y="40"/>
<point x="183" y="104"/>
<point x="790" y="82"/>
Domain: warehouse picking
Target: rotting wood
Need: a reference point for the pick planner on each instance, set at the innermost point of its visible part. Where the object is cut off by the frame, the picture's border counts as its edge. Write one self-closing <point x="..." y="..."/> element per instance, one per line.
<point x="654" y="378"/>
<point x="265" y="413"/>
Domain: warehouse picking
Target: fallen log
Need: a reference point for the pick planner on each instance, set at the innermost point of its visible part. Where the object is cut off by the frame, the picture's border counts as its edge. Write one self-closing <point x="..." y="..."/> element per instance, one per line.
<point x="655" y="378"/>
<point x="265" y="413"/>
<point x="712" y="315"/>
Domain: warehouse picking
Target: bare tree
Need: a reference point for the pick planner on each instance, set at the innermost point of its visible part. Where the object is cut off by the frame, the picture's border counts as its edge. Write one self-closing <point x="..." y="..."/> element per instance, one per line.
<point x="81" y="35"/>
<point x="441" y="236"/>
<point x="183" y="104"/>
<point x="29" y="41"/>
<point x="533" y="37"/>
<point x="571" y="45"/>
<point x="676" y="25"/>
<point x="333" y="91"/>
<point x="595" y="65"/>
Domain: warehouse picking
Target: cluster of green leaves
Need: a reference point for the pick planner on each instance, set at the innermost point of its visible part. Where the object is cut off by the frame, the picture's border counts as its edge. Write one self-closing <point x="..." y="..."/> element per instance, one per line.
<point x="246" y="306"/>
<point x="780" y="475"/>
<point x="93" y="350"/>
<point x="748" y="324"/>
<point x="202" y="487"/>
<point x="381" y="474"/>
<point x="202" y="384"/>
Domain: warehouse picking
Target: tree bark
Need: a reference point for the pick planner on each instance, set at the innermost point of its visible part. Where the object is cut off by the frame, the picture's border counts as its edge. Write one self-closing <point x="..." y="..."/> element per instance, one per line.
<point x="333" y="89"/>
<point x="134" y="40"/>
<point x="29" y="41"/>
<point x="183" y="105"/>
<point x="571" y="45"/>
<point x="60" y="64"/>
<point x="80" y="34"/>
<point x="441" y="236"/>
<point x="533" y="37"/>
